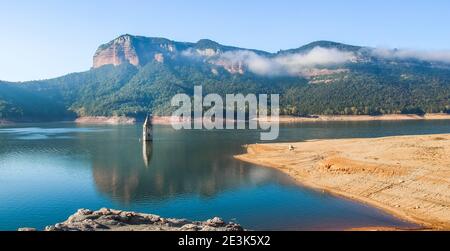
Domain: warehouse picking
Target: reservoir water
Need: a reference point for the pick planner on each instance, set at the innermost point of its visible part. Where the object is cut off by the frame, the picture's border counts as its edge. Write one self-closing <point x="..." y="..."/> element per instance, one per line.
<point x="48" y="171"/>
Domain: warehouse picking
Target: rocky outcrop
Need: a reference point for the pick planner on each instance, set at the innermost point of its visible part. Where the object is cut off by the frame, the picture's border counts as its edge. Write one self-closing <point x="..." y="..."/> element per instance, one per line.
<point x="136" y="50"/>
<point x="27" y="229"/>
<point x="116" y="220"/>
<point x="139" y="51"/>
<point x="117" y="52"/>
<point x="230" y="66"/>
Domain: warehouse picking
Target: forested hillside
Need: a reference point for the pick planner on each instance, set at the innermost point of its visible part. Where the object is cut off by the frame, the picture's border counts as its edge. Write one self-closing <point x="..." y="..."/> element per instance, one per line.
<point x="319" y="78"/>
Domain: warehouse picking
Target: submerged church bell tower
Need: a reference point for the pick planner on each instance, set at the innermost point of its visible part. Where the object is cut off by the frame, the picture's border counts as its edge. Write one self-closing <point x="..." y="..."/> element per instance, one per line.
<point x="148" y="129"/>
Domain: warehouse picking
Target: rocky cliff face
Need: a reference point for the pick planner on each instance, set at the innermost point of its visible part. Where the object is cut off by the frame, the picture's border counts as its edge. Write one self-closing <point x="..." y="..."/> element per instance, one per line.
<point x="139" y="51"/>
<point x="136" y="50"/>
<point x="303" y="61"/>
<point x="117" y="52"/>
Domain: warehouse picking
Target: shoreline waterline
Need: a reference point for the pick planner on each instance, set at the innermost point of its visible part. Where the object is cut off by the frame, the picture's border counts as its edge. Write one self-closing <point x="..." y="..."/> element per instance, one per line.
<point x="309" y="185"/>
<point x="97" y="152"/>
<point x="283" y="119"/>
<point x="331" y="169"/>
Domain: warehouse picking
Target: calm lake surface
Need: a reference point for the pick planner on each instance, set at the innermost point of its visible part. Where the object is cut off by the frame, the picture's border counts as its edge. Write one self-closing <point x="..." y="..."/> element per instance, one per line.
<point x="48" y="171"/>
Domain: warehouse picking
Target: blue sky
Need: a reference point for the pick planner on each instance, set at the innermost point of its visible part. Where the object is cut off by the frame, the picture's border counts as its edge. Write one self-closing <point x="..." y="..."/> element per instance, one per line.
<point x="49" y="38"/>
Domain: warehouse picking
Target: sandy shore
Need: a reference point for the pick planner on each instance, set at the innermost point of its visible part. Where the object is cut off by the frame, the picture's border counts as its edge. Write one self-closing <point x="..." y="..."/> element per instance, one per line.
<point x="121" y="120"/>
<point x="5" y="122"/>
<point x="167" y="120"/>
<point x="407" y="176"/>
<point x="349" y="118"/>
<point x="106" y="120"/>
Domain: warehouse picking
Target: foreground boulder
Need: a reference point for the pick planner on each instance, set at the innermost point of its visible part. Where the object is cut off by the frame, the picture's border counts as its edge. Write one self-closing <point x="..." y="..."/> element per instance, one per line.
<point x="116" y="220"/>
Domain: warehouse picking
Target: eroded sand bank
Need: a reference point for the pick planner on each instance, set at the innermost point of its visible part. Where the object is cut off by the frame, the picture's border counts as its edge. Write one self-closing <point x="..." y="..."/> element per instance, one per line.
<point x="408" y="176"/>
<point x="168" y="120"/>
<point x="115" y="120"/>
<point x="349" y="118"/>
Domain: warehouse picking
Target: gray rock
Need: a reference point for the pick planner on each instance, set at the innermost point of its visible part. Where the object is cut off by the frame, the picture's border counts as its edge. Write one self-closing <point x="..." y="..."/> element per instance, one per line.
<point x="27" y="229"/>
<point x="84" y="212"/>
<point x="215" y="222"/>
<point x="115" y="220"/>
<point x="189" y="227"/>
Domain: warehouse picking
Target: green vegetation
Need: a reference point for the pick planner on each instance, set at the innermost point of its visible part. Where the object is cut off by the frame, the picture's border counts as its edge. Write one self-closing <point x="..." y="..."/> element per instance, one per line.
<point x="372" y="88"/>
<point x="19" y="104"/>
<point x="366" y="93"/>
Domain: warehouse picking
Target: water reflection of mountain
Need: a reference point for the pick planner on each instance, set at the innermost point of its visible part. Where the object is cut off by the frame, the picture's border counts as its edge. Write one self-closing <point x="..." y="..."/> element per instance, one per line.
<point x="179" y="163"/>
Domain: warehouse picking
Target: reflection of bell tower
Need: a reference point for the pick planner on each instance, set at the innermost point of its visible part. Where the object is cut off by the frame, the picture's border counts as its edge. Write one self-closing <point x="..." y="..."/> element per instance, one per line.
<point x="148" y="129"/>
<point x="147" y="149"/>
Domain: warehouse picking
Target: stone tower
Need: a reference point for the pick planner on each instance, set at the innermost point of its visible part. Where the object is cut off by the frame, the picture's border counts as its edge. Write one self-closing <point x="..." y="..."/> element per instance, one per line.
<point x="148" y="129"/>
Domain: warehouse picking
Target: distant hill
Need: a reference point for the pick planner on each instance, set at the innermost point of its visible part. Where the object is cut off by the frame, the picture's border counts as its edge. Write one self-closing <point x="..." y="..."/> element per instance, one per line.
<point x="133" y="75"/>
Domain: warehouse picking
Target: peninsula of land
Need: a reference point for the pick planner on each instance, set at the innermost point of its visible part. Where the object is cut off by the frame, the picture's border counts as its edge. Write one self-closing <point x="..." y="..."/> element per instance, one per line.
<point x="408" y="176"/>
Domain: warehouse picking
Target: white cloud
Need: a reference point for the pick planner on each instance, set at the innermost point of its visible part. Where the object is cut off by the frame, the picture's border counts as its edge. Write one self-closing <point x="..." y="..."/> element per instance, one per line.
<point x="433" y="56"/>
<point x="199" y="53"/>
<point x="289" y="64"/>
<point x="295" y="64"/>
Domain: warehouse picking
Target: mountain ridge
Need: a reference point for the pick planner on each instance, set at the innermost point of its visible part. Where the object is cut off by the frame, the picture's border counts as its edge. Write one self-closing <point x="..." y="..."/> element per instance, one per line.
<point x="139" y="50"/>
<point x="134" y="75"/>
